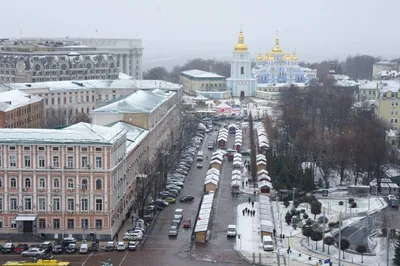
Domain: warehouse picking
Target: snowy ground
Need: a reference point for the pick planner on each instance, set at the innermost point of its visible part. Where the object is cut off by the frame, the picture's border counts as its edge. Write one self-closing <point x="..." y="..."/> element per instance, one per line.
<point x="367" y="204"/>
<point x="248" y="229"/>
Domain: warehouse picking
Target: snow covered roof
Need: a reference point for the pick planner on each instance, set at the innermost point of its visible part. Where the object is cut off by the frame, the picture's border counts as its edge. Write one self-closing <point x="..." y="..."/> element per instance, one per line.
<point x="195" y="73"/>
<point x="213" y="171"/>
<point x="124" y="76"/>
<point x="385" y="63"/>
<point x="98" y="84"/>
<point x="137" y="102"/>
<point x="264" y="183"/>
<point x="134" y="134"/>
<point x="77" y="133"/>
<point x="13" y="99"/>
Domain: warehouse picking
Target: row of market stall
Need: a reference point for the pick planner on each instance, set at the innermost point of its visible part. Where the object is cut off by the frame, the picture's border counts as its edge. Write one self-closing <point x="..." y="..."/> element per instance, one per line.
<point x="222" y="137"/>
<point x="213" y="173"/>
<point x="263" y="143"/>
<point x="236" y="181"/>
<point x="266" y="219"/>
<point x="203" y="218"/>
<point x="264" y="180"/>
<point x="238" y="140"/>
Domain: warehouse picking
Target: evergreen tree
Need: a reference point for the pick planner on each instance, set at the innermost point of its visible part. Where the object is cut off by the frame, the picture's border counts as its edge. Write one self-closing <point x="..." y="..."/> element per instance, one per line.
<point x="396" y="258"/>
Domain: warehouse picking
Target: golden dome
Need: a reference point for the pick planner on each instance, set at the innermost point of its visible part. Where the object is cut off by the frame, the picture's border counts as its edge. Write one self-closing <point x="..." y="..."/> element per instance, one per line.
<point x="240" y="46"/>
<point x="266" y="57"/>
<point x="259" y="57"/>
<point x="294" y="56"/>
<point x="287" y="57"/>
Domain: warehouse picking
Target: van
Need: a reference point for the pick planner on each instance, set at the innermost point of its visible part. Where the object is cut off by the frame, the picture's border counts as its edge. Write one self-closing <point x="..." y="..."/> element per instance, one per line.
<point x="84" y="248"/>
<point x="200" y="156"/>
<point x="268" y="244"/>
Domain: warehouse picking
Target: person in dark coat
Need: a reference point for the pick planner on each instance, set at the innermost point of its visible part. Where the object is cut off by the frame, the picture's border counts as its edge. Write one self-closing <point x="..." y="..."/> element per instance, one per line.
<point x="243" y="212"/>
<point x="246" y="183"/>
<point x="254" y="212"/>
<point x="252" y="204"/>
<point x="249" y="200"/>
<point x="245" y="209"/>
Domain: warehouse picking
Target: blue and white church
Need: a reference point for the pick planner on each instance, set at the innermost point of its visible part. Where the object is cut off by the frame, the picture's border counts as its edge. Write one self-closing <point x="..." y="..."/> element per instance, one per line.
<point x="271" y="74"/>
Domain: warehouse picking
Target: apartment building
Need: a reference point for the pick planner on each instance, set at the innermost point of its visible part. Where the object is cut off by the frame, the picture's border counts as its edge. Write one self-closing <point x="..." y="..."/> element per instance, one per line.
<point x="58" y="182"/>
<point x="20" y="110"/>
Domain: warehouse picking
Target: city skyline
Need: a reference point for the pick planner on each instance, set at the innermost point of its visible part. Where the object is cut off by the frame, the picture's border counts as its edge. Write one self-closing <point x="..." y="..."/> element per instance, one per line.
<point x="173" y="32"/>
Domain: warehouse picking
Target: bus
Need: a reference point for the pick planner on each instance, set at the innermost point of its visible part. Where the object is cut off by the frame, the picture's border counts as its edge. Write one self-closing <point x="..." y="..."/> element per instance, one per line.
<point x="38" y="262"/>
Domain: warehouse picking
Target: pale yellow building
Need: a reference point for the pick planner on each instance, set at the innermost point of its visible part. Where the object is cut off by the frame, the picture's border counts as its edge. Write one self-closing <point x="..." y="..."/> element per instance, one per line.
<point x="388" y="102"/>
<point x="369" y="91"/>
<point x="204" y="83"/>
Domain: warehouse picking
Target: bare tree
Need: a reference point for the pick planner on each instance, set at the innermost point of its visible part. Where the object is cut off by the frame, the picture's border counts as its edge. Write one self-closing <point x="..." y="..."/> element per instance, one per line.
<point x="144" y="185"/>
<point x="253" y="151"/>
<point x="63" y="116"/>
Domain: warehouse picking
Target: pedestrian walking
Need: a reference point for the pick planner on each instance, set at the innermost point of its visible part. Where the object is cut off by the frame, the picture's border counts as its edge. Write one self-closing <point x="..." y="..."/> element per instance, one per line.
<point x="245" y="209"/>
<point x="243" y="212"/>
<point x="252" y="204"/>
<point x="274" y="231"/>
<point x="255" y="193"/>
<point x="254" y="212"/>
<point x="248" y="212"/>
<point x="242" y="183"/>
<point x="249" y="200"/>
<point x="246" y="183"/>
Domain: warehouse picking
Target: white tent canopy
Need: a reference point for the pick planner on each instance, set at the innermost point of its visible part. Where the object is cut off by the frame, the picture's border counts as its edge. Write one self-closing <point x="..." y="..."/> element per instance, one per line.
<point x="264" y="183"/>
<point x="236" y="172"/>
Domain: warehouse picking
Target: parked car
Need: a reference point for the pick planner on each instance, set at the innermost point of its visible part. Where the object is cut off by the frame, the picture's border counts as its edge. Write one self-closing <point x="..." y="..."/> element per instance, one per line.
<point x="170" y="200"/>
<point x="84" y="248"/>
<point x="187" y="223"/>
<point x="33" y="252"/>
<point x="131" y="246"/>
<point x="173" y="231"/>
<point x="72" y="248"/>
<point x="20" y="248"/>
<point x="133" y="236"/>
<point x="68" y="240"/>
<point x="186" y="198"/>
<point x="94" y="247"/>
<point x="110" y="246"/>
<point x="58" y="248"/>
<point x="176" y="183"/>
<point x="121" y="246"/>
<point x="46" y="246"/>
<point x="246" y="152"/>
<point x="8" y="248"/>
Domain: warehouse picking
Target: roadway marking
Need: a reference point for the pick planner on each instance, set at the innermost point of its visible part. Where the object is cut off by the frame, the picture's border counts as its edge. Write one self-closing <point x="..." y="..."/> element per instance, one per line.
<point x="87" y="258"/>
<point x="122" y="261"/>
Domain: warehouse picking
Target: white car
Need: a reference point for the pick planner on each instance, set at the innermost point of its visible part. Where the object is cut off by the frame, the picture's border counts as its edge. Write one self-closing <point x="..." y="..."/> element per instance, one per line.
<point x="121" y="246"/>
<point x="33" y="252"/>
<point x="133" y="236"/>
<point x="173" y="231"/>
<point x="231" y="230"/>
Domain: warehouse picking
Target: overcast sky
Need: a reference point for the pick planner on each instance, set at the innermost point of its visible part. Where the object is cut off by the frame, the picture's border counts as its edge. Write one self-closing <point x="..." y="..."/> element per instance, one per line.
<point x="174" y="30"/>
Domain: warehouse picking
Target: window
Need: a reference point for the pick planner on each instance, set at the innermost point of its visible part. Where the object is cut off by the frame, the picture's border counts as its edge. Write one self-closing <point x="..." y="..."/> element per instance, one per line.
<point x="70" y="223"/>
<point x="98" y="161"/>
<point x="70" y="183"/>
<point x="13" y="224"/>
<point x="99" y="224"/>
<point x="42" y="183"/>
<point x="98" y="149"/>
<point x="42" y="223"/>
<point x="242" y="70"/>
<point x="84" y="204"/>
<point x="0" y="160"/>
<point x="28" y="204"/>
<point x="56" y="204"/>
<point x="85" y="223"/>
<point x="1" y="203"/>
<point x="98" y="184"/>
<point x="84" y="184"/>
<point x="56" y="224"/>
<point x="13" y="160"/>
<point x="1" y="181"/>
<point x="13" y="182"/>
<point x="56" y="182"/>
<point x="99" y="204"/>
<point x="41" y="161"/>
<point x="27" y="160"/>
<point x="41" y="148"/>
<point x="84" y="161"/>
<point x="55" y="149"/>
<point x="27" y="182"/>
<point x="70" y="162"/>
<point x="42" y="204"/>
<point x="13" y="204"/>
<point x="56" y="161"/>
<point x="70" y="204"/>
<point x="84" y="149"/>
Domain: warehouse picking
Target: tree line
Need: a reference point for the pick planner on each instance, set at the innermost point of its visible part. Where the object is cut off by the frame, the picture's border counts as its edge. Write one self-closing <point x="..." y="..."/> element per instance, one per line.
<point x="356" y="67"/>
<point x="321" y="133"/>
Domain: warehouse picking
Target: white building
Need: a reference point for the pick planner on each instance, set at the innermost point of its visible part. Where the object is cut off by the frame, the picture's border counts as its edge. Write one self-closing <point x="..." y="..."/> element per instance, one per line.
<point x="198" y="82"/>
<point x="383" y="66"/>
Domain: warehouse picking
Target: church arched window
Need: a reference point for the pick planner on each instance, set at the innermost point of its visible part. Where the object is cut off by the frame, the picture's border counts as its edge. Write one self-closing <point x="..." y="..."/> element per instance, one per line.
<point x="242" y="70"/>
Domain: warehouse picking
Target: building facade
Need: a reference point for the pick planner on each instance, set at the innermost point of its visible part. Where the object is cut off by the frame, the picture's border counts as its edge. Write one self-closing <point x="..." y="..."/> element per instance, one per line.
<point x="20" y="110"/>
<point x="388" y="100"/>
<point x="241" y="83"/>
<point x="198" y="82"/>
<point x="128" y="52"/>
<point x="57" y="182"/>
<point x="41" y="62"/>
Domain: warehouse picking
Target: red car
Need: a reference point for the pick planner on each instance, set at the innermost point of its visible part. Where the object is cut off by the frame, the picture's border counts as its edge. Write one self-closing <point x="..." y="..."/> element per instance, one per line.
<point x="187" y="223"/>
<point x="21" y="247"/>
